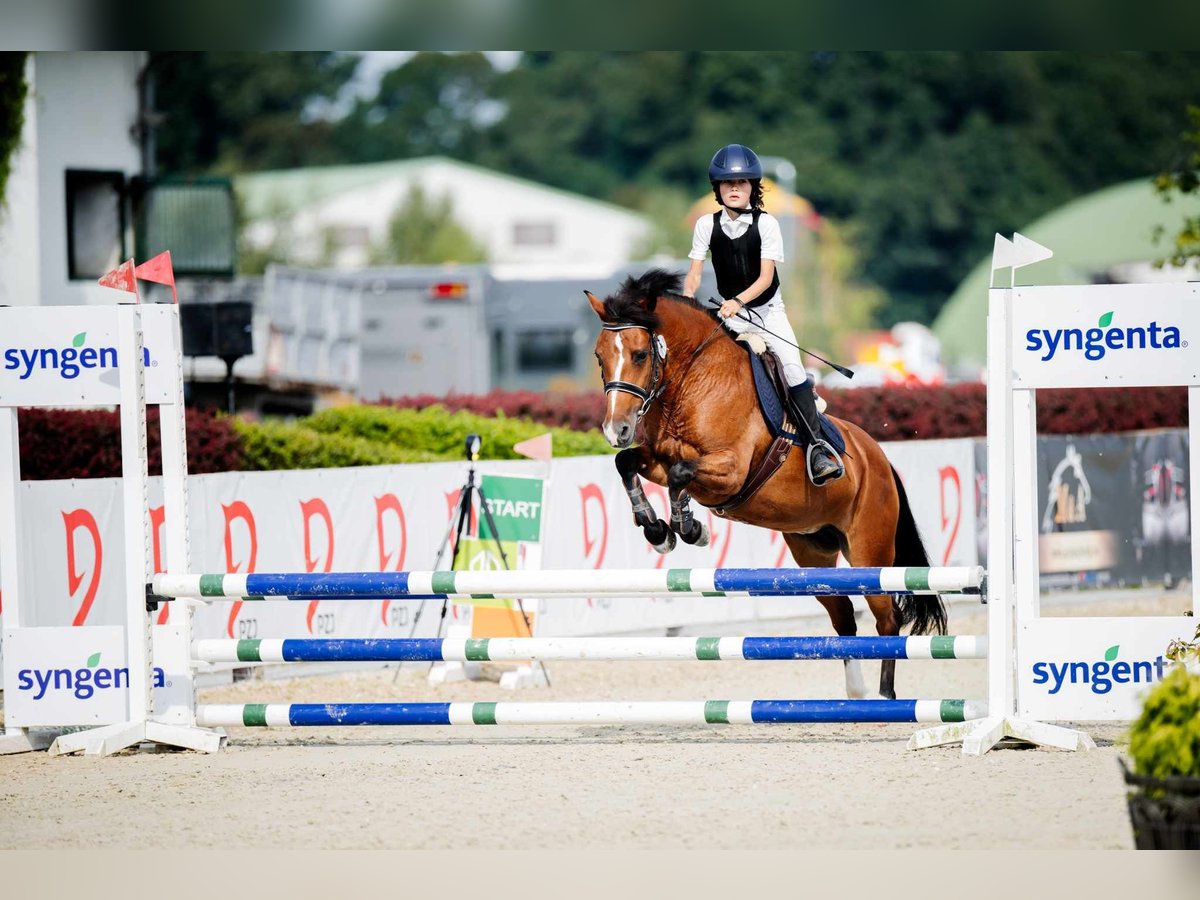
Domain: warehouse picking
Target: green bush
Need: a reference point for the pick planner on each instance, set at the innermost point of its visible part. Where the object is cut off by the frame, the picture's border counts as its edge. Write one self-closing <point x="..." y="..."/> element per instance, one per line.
<point x="377" y="435"/>
<point x="274" y="445"/>
<point x="1164" y="741"/>
<point x="436" y="431"/>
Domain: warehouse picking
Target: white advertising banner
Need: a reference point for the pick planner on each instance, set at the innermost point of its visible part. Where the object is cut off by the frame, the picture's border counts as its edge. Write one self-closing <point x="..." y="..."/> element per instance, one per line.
<point x="78" y="676"/>
<point x="390" y="518"/>
<point x="1086" y="335"/>
<point x="1092" y="670"/>
<point x="43" y="363"/>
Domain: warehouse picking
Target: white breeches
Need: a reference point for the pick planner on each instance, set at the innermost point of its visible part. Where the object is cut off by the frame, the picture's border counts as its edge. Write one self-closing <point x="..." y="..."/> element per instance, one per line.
<point x="775" y="319"/>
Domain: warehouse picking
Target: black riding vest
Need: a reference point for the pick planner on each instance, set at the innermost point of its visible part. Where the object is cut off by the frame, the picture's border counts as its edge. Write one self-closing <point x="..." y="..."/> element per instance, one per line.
<point x="739" y="262"/>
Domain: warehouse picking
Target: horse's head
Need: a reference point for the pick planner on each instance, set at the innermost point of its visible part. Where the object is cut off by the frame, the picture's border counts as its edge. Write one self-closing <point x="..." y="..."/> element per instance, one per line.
<point x="631" y="367"/>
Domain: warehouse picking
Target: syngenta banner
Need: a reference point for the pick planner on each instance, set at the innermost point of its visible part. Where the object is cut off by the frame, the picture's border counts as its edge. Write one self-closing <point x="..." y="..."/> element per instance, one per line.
<point x="69" y="355"/>
<point x="77" y="676"/>
<point x="1105" y="335"/>
<point x="1099" y="675"/>
<point x="67" y="361"/>
<point x="1093" y="669"/>
<point x="1103" y="338"/>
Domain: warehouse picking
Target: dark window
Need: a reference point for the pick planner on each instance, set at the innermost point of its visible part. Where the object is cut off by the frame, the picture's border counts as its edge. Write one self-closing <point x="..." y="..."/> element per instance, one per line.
<point x="193" y="218"/>
<point x="541" y="351"/>
<point x="95" y="222"/>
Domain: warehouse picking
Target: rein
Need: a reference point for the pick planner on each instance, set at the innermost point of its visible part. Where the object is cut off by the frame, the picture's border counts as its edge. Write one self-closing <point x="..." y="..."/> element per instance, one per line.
<point x="658" y="365"/>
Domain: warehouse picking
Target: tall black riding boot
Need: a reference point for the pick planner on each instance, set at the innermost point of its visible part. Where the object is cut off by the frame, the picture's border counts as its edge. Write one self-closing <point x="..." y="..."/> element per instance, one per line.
<point x="823" y="463"/>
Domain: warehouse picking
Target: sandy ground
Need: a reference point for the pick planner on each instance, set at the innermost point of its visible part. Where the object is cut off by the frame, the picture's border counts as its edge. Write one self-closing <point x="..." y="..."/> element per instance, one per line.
<point x="570" y="787"/>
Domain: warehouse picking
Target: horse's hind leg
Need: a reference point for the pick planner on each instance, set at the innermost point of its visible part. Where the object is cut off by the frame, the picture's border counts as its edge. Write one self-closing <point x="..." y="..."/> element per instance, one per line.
<point x="885" y="610"/>
<point x="629" y="463"/>
<point x="683" y="523"/>
<point x="821" y="550"/>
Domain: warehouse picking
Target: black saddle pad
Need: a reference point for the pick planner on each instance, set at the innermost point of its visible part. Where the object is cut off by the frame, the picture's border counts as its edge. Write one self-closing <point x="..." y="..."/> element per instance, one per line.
<point x="772" y="405"/>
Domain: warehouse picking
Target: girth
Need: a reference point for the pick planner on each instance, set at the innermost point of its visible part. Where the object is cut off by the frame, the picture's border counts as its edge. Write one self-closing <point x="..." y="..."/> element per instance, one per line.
<point x="774" y="458"/>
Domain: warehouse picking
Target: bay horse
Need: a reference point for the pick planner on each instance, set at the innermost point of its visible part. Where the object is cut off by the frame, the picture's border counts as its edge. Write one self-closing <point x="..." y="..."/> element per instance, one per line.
<point x="675" y="380"/>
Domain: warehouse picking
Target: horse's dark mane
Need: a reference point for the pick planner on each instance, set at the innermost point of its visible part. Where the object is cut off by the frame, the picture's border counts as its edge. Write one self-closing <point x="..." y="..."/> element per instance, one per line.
<point x="634" y="301"/>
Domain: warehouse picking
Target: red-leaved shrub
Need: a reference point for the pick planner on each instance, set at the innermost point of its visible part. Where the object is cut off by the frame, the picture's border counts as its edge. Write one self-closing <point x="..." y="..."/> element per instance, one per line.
<point x="886" y="413"/>
<point x="63" y="443"/>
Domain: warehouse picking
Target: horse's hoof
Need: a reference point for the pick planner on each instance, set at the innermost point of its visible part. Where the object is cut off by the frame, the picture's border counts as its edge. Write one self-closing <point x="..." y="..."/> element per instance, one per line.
<point x="666" y="546"/>
<point x="698" y="536"/>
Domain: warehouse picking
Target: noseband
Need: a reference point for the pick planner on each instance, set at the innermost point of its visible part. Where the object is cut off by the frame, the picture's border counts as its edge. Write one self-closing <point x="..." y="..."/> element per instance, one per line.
<point x="658" y="362"/>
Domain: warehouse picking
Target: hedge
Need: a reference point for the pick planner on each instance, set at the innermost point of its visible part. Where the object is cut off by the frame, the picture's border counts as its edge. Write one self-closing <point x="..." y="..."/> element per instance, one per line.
<point x="63" y="443"/>
<point x="86" y="444"/>
<point x="889" y="413"/>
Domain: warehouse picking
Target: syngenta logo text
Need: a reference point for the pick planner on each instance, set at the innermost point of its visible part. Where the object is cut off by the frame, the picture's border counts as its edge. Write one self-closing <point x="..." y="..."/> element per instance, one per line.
<point x="82" y="682"/>
<point x="68" y="362"/>
<point x="1100" y="675"/>
<point x="1105" y="338"/>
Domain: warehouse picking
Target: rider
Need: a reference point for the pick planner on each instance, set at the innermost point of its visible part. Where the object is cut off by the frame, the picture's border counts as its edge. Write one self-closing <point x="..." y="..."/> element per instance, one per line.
<point x="745" y="249"/>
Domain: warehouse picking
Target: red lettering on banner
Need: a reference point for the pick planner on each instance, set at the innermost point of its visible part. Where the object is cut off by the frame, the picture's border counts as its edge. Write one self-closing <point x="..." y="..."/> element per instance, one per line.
<point x="238" y="510"/>
<point x="783" y="548"/>
<point x="158" y="518"/>
<point x="74" y="520"/>
<point x="591" y="493"/>
<point x="310" y="508"/>
<point x="472" y="526"/>
<point x="382" y="505"/>
<point x="949" y="475"/>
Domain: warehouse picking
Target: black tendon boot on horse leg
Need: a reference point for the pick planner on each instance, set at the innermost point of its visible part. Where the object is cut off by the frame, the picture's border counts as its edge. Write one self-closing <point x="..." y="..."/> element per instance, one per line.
<point x="683" y="523"/>
<point x="823" y="463"/>
<point x="658" y="533"/>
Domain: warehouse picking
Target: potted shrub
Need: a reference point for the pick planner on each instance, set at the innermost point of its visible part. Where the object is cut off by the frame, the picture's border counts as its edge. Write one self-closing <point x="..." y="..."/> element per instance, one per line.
<point x="1164" y="746"/>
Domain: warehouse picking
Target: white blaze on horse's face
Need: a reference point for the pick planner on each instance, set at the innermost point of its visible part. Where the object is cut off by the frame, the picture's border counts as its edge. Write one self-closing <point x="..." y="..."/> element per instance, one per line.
<point x="610" y="413"/>
<point x="624" y="356"/>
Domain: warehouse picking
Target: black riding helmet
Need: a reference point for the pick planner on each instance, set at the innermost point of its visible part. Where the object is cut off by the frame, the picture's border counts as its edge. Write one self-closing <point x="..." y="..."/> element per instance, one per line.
<point x="733" y="162"/>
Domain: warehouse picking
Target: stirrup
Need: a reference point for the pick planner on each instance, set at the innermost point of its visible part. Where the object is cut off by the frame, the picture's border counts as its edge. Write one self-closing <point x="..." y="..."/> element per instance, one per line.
<point x="832" y="476"/>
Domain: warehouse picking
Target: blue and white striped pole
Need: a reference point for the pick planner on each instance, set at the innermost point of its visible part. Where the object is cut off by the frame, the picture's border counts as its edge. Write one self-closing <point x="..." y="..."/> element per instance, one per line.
<point x="573" y="583"/>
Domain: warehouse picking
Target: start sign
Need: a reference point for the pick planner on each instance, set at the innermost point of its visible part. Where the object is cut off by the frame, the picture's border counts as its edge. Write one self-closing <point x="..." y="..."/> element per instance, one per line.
<point x="516" y="507"/>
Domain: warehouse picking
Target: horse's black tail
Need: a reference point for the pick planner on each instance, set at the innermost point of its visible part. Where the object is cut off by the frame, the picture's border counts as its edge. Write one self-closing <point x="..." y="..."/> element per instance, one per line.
<point x="925" y="612"/>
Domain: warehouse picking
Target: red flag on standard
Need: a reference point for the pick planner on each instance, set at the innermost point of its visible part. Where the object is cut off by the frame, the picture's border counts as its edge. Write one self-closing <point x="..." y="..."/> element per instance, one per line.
<point x="537" y="447"/>
<point x="160" y="271"/>
<point x="121" y="278"/>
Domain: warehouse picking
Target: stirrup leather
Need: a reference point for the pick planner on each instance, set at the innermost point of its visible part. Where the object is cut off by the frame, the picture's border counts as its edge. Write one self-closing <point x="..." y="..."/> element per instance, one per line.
<point x="834" y="476"/>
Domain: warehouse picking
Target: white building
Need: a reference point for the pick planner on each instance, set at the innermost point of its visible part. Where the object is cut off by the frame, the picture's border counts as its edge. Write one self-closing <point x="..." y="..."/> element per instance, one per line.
<point x="66" y="221"/>
<point x="333" y="215"/>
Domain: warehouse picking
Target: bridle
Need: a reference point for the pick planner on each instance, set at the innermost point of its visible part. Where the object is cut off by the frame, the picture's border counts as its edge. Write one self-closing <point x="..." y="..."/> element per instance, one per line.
<point x="658" y="365"/>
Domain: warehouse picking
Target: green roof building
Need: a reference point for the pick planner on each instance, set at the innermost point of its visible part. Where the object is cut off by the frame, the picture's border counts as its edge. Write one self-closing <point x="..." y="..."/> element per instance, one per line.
<point x="1101" y="238"/>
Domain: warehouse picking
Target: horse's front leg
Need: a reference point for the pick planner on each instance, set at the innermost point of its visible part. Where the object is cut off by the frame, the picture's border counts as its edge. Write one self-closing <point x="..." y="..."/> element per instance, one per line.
<point x="683" y="523"/>
<point x="631" y="463"/>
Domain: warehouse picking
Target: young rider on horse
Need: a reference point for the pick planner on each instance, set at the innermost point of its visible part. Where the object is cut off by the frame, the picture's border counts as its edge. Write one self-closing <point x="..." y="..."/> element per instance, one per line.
<point x="746" y="243"/>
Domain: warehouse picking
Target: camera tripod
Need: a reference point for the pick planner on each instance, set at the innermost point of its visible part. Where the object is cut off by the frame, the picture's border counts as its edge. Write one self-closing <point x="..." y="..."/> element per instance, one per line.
<point x="459" y="521"/>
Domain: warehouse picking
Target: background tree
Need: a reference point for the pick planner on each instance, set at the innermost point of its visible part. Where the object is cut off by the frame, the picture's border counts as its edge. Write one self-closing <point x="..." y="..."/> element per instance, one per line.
<point x="1183" y="178"/>
<point x="239" y="112"/>
<point x="920" y="156"/>
<point x="434" y="104"/>
<point x="423" y="231"/>
<point x="12" y="112"/>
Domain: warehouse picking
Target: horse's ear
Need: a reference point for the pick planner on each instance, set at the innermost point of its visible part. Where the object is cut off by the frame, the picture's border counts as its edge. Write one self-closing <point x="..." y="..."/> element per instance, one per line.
<point x="597" y="303"/>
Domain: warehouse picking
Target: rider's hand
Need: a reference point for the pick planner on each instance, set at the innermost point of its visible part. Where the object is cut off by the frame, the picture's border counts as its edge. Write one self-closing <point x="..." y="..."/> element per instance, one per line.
<point x="729" y="308"/>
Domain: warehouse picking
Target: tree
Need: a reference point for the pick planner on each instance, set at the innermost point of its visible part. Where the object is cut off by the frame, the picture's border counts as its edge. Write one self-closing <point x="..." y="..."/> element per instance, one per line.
<point x="423" y="231"/>
<point x="240" y="112"/>
<point x="1183" y="179"/>
<point x="12" y="112"/>
<point x="433" y="104"/>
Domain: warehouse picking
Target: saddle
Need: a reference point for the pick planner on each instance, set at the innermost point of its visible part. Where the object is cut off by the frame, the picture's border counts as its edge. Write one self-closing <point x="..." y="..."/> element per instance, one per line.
<point x="770" y="386"/>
